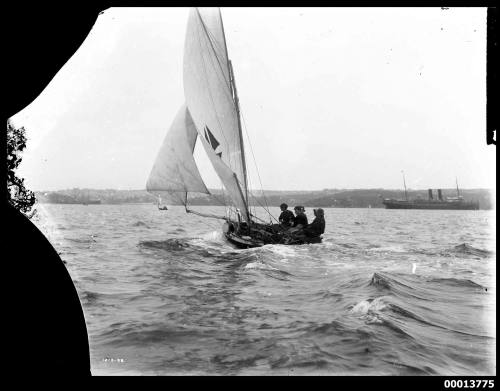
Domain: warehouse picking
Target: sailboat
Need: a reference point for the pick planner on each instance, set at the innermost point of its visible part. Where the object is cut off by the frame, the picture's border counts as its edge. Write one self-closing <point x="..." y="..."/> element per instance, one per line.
<point x="164" y="207"/>
<point x="211" y="115"/>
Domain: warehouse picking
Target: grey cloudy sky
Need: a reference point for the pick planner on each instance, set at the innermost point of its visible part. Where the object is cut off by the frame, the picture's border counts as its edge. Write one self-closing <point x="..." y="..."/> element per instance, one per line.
<point x="331" y="98"/>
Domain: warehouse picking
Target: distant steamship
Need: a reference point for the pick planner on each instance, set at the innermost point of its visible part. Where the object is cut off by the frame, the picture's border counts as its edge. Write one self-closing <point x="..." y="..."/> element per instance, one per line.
<point x="450" y="203"/>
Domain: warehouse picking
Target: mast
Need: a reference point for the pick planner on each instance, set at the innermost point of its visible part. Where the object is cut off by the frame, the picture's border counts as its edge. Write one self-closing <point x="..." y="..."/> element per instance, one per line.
<point x="210" y="97"/>
<point x="458" y="192"/>
<point x="404" y="183"/>
<point x="237" y="107"/>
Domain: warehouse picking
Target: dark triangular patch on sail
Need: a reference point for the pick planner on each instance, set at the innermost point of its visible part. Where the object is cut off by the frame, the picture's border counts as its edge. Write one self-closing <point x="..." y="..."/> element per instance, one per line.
<point x="211" y="138"/>
<point x="219" y="154"/>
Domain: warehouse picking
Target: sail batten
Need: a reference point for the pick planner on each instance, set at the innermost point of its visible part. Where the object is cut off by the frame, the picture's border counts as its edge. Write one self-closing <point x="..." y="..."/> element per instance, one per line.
<point x="210" y="99"/>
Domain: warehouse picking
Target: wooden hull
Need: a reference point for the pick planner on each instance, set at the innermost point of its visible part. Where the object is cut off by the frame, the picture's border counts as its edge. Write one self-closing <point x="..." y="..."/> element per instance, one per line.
<point x="241" y="242"/>
<point x="247" y="242"/>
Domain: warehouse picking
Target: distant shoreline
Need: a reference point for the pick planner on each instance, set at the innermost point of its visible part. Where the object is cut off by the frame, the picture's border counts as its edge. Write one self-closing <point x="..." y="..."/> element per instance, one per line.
<point x="327" y="198"/>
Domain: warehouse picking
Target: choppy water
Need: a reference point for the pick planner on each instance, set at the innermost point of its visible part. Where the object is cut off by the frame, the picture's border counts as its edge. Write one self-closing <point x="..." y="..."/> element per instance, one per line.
<point x="388" y="292"/>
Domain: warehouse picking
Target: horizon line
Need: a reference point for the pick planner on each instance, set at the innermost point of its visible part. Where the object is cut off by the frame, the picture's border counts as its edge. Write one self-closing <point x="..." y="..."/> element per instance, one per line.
<point x="287" y="190"/>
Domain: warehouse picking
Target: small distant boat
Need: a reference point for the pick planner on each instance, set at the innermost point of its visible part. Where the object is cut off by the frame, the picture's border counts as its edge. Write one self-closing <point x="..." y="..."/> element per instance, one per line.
<point x="446" y="203"/>
<point x="211" y="114"/>
<point x="91" y="202"/>
<point x="164" y="207"/>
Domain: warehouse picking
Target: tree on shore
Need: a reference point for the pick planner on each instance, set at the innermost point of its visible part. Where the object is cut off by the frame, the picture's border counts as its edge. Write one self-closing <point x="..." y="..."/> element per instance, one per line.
<point x="17" y="194"/>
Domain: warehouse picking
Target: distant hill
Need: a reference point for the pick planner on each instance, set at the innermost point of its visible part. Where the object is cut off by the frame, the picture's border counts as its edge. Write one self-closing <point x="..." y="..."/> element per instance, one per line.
<point x="337" y="198"/>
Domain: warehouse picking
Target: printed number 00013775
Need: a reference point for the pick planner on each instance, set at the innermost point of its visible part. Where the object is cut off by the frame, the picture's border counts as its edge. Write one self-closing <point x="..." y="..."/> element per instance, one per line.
<point x="480" y="383"/>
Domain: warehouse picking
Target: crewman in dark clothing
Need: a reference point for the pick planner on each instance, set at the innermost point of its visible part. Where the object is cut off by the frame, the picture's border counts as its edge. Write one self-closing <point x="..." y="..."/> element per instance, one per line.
<point x="310" y="233"/>
<point x="286" y="218"/>
<point x="300" y="217"/>
<point x="317" y="227"/>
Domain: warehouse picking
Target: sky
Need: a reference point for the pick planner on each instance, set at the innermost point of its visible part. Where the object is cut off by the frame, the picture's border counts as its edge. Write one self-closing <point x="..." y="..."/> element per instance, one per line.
<point x="330" y="98"/>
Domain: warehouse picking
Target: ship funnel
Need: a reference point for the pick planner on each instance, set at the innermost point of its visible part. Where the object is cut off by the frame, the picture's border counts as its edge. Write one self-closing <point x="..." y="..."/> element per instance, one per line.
<point x="430" y="194"/>
<point x="440" y="195"/>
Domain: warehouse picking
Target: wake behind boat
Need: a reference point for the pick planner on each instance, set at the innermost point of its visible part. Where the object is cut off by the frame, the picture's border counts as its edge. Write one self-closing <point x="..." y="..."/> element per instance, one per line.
<point x="211" y="113"/>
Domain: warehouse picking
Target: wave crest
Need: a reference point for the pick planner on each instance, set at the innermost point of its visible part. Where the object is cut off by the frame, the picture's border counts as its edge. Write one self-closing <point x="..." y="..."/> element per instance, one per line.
<point x="467" y="249"/>
<point x="169" y="244"/>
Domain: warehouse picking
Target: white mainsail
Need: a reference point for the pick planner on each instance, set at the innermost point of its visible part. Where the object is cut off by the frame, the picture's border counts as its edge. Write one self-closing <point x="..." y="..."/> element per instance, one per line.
<point x="174" y="172"/>
<point x="211" y="101"/>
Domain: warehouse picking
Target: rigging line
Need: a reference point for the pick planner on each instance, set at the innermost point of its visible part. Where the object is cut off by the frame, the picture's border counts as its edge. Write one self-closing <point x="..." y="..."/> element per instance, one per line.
<point x="224" y="39"/>
<point x="221" y="75"/>
<point x="223" y="202"/>
<point x="254" y="207"/>
<point x="192" y="154"/>
<point x="263" y="207"/>
<point x="249" y="186"/>
<point x="179" y="163"/>
<point x="253" y="156"/>
<point x="205" y="222"/>
<point x="214" y="197"/>
<point x="240" y="133"/>
<point x="182" y="178"/>
<point x="210" y="93"/>
<point x="258" y="218"/>
<point x="231" y="162"/>
<point x="175" y="186"/>
<point x="223" y="36"/>
<point x="223" y="195"/>
<point x="228" y="91"/>
<point x="264" y="221"/>
<point x="267" y="210"/>
<point x="251" y="148"/>
<point x="205" y="214"/>
<point x="208" y="87"/>
<point x="213" y="103"/>
<point x="251" y="195"/>
<point x="212" y="40"/>
<point x="185" y="187"/>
